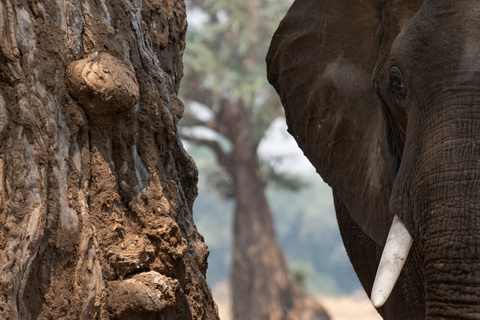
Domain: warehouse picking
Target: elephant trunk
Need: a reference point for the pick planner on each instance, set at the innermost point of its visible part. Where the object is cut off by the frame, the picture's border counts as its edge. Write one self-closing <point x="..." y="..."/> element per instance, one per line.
<point x="450" y="228"/>
<point x="437" y="195"/>
<point x="452" y="284"/>
<point x="446" y="205"/>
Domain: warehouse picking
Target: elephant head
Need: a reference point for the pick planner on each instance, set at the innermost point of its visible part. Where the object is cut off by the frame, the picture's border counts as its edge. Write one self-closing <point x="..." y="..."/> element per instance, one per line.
<point x="383" y="97"/>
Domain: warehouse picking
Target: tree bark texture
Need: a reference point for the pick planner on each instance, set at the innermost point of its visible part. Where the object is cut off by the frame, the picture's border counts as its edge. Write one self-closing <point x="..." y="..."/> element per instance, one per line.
<point x="96" y="190"/>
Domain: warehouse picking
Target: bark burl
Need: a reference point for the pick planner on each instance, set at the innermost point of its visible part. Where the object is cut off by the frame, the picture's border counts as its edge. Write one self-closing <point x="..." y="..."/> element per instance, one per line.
<point x="96" y="190"/>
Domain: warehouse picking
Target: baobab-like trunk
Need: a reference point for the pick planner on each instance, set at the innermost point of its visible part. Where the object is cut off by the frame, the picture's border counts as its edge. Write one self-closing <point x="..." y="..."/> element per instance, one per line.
<point x="95" y="189"/>
<point x="261" y="288"/>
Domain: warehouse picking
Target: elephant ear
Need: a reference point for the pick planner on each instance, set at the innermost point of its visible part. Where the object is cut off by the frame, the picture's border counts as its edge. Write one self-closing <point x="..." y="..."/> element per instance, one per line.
<point x="321" y="61"/>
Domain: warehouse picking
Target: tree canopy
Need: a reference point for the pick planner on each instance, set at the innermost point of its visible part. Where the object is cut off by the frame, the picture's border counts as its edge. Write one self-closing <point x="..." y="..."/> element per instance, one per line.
<point x="225" y="87"/>
<point x="225" y="58"/>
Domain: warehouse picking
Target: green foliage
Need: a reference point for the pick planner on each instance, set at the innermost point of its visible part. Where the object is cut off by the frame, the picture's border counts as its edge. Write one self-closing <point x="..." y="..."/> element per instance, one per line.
<point x="224" y="60"/>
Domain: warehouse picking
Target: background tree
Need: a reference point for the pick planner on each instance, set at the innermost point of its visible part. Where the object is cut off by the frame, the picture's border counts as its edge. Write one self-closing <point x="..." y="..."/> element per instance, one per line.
<point x="225" y="73"/>
<point x="96" y="190"/>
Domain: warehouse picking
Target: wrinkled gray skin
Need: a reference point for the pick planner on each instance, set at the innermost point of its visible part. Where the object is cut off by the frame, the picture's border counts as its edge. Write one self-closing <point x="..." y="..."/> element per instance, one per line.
<point x="384" y="99"/>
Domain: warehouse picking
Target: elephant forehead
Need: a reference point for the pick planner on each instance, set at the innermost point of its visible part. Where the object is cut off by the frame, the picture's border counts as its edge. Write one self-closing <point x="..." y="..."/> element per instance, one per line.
<point x="444" y="36"/>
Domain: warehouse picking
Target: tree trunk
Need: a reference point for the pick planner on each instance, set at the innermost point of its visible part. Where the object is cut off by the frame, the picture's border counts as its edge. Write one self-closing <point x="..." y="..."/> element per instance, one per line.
<point x="261" y="287"/>
<point x="96" y="190"/>
<point x="259" y="279"/>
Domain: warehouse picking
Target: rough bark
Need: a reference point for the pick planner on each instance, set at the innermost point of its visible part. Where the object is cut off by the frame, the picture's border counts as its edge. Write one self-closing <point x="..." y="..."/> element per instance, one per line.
<point x="96" y="190"/>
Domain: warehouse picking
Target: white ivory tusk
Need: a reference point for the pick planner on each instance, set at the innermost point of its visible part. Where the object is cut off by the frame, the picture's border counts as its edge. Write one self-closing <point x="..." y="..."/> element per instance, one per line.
<point x="394" y="255"/>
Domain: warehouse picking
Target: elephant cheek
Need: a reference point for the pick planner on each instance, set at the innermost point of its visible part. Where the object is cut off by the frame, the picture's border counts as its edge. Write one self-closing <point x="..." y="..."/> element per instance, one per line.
<point x="402" y="198"/>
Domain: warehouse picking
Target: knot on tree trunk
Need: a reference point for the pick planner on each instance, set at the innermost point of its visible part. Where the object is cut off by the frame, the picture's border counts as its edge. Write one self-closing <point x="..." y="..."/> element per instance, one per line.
<point x="142" y="296"/>
<point x="102" y="84"/>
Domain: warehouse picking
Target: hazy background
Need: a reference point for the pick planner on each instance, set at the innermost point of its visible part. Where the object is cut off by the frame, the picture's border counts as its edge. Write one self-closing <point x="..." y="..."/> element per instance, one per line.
<point x="306" y="228"/>
<point x="305" y="221"/>
<point x="224" y="62"/>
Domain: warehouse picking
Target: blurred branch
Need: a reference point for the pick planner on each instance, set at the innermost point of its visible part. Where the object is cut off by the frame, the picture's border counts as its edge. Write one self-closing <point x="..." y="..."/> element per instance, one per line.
<point x="223" y="158"/>
<point x="282" y="180"/>
<point x="189" y="120"/>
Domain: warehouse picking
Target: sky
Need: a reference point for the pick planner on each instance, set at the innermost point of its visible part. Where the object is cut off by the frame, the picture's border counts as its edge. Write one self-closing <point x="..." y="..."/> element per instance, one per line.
<point x="278" y="143"/>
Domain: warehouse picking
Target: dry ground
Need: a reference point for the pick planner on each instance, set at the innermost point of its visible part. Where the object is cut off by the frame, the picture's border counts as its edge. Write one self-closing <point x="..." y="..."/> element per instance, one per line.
<point x="354" y="307"/>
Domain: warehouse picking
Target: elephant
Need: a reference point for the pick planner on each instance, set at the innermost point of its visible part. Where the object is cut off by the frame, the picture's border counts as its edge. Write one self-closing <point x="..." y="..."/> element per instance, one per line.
<point x="383" y="98"/>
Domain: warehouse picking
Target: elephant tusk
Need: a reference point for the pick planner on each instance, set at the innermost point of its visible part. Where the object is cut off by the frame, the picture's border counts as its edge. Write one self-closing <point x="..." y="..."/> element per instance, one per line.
<point x="393" y="258"/>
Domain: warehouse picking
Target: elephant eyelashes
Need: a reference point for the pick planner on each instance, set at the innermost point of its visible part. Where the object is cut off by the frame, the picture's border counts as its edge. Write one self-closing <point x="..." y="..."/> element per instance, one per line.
<point x="396" y="86"/>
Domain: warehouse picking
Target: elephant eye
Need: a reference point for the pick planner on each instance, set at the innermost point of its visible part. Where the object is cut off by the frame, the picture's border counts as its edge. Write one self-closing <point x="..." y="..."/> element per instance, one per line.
<point x="397" y="87"/>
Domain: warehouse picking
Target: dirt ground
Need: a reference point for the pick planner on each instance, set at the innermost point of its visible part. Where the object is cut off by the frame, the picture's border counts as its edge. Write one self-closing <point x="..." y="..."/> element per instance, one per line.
<point x="353" y="307"/>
